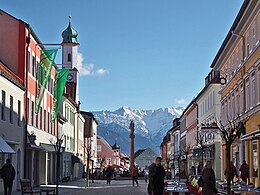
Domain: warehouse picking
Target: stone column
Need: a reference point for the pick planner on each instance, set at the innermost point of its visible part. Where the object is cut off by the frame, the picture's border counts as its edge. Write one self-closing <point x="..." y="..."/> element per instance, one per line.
<point x="132" y="137"/>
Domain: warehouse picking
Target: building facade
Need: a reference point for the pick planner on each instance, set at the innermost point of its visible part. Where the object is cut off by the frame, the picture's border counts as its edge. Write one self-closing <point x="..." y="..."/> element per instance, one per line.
<point x="208" y="101"/>
<point x="18" y="37"/>
<point x="11" y="122"/>
<point x="238" y="62"/>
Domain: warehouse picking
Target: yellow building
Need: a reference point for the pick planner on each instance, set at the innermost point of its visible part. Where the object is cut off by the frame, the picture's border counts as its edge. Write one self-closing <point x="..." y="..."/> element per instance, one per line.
<point x="238" y="61"/>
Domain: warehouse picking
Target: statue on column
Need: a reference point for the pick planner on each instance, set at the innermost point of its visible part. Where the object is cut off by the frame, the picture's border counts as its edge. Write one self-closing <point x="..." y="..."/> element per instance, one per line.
<point x="132" y="137"/>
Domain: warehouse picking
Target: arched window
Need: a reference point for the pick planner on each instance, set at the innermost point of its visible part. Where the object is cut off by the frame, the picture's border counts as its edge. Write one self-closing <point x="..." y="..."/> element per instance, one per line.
<point x="69" y="57"/>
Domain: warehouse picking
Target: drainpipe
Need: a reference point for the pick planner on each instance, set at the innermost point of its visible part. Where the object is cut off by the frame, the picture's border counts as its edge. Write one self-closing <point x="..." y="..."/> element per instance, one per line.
<point x="26" y="106"/>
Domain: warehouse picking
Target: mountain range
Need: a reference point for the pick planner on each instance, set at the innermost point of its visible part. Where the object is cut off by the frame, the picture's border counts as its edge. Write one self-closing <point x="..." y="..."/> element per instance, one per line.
<point x="150" y="126"/>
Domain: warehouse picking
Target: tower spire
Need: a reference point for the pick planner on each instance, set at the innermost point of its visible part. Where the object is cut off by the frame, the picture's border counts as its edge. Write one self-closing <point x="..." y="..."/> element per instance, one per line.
<point x="70" y="19"/>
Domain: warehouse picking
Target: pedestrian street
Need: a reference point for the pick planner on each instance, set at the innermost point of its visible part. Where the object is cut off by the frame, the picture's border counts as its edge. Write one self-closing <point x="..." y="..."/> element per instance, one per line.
<point x="100" y="187"/>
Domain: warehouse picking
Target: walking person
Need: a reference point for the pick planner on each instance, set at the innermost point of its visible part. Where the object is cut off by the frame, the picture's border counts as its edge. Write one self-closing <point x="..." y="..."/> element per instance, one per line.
<point x="232" y="171"/>
<point x="209" y="181"/>
<point x="146" y="173"/>
<point x="156" y="177"/>
<point x="244" y="169"/>
<point x="8" y="175"/>
<point x="109" y="173"/>
<point x="135" y="175"/>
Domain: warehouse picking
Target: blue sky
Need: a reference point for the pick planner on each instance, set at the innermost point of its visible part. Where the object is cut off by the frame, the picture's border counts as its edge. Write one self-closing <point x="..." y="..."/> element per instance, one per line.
<point x="145" y="54"/>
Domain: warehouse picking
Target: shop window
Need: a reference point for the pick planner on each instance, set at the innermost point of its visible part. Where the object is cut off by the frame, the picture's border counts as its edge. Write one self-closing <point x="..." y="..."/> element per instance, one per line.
<point x="255" y="157"/>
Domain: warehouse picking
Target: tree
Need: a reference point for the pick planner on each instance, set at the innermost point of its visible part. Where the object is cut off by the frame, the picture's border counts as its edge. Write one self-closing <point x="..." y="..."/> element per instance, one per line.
<point x="229" y="133"/>
<point x="185" y="151"/>
<point x="201" y="142"/>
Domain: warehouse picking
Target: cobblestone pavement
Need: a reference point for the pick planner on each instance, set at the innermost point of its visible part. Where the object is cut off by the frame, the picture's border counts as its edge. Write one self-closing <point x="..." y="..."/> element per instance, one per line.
<point x="100" y="187"/>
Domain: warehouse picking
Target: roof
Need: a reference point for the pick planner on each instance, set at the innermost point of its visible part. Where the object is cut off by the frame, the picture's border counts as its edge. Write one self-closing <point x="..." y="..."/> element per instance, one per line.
<point x="104" y="141"/>
<point x="138" y="152"/>
<point x="115" y="146"/>
<point x="89" y="114"/>
<point x="10" y="75"/>
<point x="70" y="35"/>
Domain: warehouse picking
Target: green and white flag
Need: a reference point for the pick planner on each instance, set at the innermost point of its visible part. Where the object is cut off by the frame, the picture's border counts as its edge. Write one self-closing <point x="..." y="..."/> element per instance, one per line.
<point x="43" y="74"/>
<point x="59" y="85"/>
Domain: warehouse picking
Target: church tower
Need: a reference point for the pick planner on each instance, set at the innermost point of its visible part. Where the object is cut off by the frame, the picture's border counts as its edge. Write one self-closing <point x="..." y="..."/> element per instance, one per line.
<point x="69" y="60"/>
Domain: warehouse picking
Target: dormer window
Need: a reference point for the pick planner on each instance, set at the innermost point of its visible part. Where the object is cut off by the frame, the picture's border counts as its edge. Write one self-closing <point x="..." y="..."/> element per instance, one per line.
<point x="69" y="57"/>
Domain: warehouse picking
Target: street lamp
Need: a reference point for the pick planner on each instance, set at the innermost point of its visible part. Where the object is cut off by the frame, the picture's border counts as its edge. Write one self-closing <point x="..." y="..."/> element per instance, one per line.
<point x="58" y="147"/>
<point x="88" y="159"/>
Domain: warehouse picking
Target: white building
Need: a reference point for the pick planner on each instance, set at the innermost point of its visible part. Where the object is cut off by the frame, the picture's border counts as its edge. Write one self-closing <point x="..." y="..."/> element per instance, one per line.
<point x="11" y="122"/>
<point x="208" y="101"/>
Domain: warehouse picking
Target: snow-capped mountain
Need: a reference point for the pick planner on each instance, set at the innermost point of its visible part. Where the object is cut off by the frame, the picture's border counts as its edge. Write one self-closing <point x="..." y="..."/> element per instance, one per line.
<point x="150" y="126"/>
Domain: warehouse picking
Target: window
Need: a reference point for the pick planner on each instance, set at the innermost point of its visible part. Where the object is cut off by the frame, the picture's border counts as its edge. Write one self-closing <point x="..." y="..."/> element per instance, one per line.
<point x="33" y="65"/>
<point x="44" y="120"/>
<point x="236" y="58"/>
<point x="233" y="64"/>
<point x="247" y="45"/>
<point x="32" y="118"/>
<point x="108" y="161"/>
<point x="49" y="85"/>
<point x="253" y="37"/>
<point x="27" y="110"/>
<point x="48" y="125"/>
<point x="69" y="57"/>
<point x="236" y="102"/>
<point x="71" y="117"/>
<point x="28" y="61"/>
<point x="233" y="105"/>
<point x="241" y="98"/>
<point x="258" y="27"/>
<point x="247" y="94"/>
<point x="253" y="101"/>
<point x="41" y="118"/>
<point x="99" y="148"/>
<point x="37" y="120"/>
<point x="54" y="127"/>
<point x="11" y="109"/>
<point x="255" y="158"/>
<point x="51" y="88"/>
<point x="37" y="67"/>
<point x="19" y="113"/>
<point x="259" y="83"/>
<point x="3" y="106"/>
<point x="226" y="114"/>
<point x="241" y="53"/>
<point x="213" y="98"/>
<point x="228" y="109"/>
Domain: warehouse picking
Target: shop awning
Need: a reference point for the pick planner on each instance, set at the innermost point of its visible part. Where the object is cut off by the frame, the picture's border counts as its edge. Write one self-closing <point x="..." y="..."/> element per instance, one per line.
<point x="251" y="136"/>
<point x="48" y="147"/>
<point x="5" y="148"/>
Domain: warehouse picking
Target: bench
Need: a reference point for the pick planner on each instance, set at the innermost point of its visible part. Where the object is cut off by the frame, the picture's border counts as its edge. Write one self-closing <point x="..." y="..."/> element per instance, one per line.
<point x="26" y="187"/>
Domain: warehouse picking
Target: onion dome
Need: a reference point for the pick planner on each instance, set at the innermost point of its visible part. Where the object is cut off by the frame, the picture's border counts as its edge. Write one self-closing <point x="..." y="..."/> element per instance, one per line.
<point x="70" y="35"/>
<point x="115" y="146"/>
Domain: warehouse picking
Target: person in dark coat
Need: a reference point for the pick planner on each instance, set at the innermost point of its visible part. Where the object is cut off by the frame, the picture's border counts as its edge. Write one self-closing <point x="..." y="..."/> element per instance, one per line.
<point x="209" y="181"/>
<point x="244" y="169"/>
<point x="109" y="173"/>
<point x="8" y="175"/>
<point x="156" y="177"/>
<point x="232" y="171"/>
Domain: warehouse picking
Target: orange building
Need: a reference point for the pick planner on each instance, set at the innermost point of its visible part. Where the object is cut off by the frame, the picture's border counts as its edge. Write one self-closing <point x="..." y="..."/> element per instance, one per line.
<point x="238" y="61"/>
